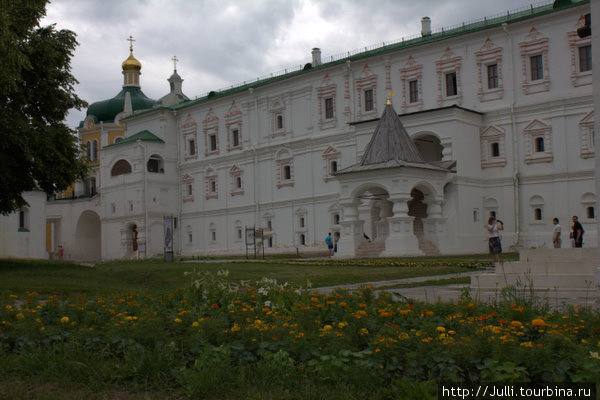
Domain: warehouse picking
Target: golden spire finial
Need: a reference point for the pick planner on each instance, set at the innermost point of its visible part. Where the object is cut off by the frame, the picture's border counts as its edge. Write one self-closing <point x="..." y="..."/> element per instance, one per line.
<point x="389" y="98"/>
<point x="175" y="59"/>
<point x="130" y="40"/>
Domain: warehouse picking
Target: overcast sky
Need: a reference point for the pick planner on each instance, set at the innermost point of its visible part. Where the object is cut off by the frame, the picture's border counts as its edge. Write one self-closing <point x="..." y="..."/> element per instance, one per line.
<point x="220" y="43"/>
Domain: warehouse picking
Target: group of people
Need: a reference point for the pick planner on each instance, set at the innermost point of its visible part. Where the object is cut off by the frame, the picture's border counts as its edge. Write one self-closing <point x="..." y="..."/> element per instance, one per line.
<point x="496" y="225"/>
<point x="575" y="234"/>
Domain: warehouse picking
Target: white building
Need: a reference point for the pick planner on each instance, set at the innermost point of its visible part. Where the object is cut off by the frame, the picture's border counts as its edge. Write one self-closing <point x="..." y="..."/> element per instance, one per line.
<point x="501" y="112"/>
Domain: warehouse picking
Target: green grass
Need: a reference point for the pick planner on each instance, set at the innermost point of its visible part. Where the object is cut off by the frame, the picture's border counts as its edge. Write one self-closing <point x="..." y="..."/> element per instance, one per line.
<point x="59" y="277"/>
<point x="433" y="282"/>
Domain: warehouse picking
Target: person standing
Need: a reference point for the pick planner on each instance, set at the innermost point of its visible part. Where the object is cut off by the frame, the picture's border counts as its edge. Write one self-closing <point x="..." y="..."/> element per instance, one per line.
<point x="494" y="238"/>
<point x="577" y="232"/>
<point x="329" y="242"/>
<point x="556" y="240"/>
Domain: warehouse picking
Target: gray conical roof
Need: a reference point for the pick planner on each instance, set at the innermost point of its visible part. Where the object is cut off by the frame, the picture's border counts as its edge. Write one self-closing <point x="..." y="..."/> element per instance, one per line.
<point x="390" y="142"/>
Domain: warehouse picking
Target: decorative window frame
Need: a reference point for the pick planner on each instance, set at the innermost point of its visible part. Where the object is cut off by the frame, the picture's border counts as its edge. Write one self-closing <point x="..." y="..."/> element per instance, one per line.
<point x="535" y="202"/>
<point x="448" y="63"/>
<point x="236" y="172"/>
<point x="301" y="214"/>
<point x="531" y="132"/>
<point x="210" y="177"/>
<point x="237" y="228"/>
<point x="189" y="235"/>
<point x="587" y="135"/>
<point x="334" y="210"/>
<point x="233" y="121"/>
<point x="276" y="108"/>
<point x="490" y="205"/>
<point x="95" y="150"/>
<point x="409" y="72"/>
<point x="87" y="148"/>
<point x="212" y="233"/>
<point x="186" y="181"/>
<point x="210" y="126"/>
<point x="489" y="135"/>
<point x="489" y="54"/>
<point x="575" y="42"/>
<point x="282" y="159"/>
<point x="366" y="81"/>
<point x="588" y="199"/>
<point x="327" y="90"/>
<point x="189" y="132"/>
<point x="330" y="155"/>
<point x="534" y="44"/>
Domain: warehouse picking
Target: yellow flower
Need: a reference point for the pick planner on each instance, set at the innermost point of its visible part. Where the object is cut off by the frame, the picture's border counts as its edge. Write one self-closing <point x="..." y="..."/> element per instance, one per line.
<point x="363" y="331"/>
<point x="342" y="325"/>
<point x="516" y="324"/>
<point x="440" y="329"/>
<point x="538" y="322"/>
<point x="195" y="323"/>
<point x="64" y="320"/>
<point x="327" y="327"/>
<point x="177" y="320"/>
<point x="20" y="316"/>
<point x="235" y="328"/>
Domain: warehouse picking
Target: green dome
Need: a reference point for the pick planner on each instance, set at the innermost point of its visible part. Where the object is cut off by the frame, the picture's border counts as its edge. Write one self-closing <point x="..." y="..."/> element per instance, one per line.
<point x="107" y="110"/>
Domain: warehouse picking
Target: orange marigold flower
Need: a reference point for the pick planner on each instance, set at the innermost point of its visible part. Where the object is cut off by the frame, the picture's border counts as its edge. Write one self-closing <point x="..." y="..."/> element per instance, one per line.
<point x="516" y="324"/>
<point x="538" y="322"/>
<point x="214" y="305"/>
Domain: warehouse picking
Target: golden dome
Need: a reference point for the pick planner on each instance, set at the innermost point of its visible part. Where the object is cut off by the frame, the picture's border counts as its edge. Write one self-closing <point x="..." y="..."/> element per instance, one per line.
<point x="131" y="64"/>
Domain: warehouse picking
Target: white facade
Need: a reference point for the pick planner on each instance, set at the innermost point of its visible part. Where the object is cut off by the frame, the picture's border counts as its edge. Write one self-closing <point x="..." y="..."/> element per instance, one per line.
<point x="23" y="233"/>
<point x="509" y="106"/>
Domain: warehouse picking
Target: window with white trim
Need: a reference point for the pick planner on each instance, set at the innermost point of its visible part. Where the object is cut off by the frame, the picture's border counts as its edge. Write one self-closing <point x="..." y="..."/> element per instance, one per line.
<point x="211" y="184"/>
<point x="448" y="69"/>
<point x="212" y="233"/>
<point x="587" y="136"/>
<point x="237" y="187"/>
<point x="581" y="55"/>
<point x="24" y="220"/>
<point x="285" y="168"/>
<point x="277" y="110"/>
<point x="537" y="138"/>
<point x="211" y="133"/>
<point x="188" y="184"/>
<point x="190" y="140"/>
<point x="534" y="61"/>
<point x="366" y="92"/>
<point x="536" y="206"/>
<point x="233" y="126"/>
<point x="332" y="159"/>
<point x="489" y="66"/>
<point x="411" y="77"/>
<point x="588" y="202"/>
<point x="492" y="140"/>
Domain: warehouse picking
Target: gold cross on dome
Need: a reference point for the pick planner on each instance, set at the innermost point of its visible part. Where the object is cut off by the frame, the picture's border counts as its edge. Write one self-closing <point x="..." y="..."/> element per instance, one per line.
<point x="175" y="59"/>
<point x="130" y="40"/>
<point x="390" y="95"/>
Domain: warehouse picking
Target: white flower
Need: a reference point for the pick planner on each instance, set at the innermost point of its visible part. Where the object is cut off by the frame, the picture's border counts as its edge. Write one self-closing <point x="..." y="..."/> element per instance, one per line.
<point x="267" y="303"/>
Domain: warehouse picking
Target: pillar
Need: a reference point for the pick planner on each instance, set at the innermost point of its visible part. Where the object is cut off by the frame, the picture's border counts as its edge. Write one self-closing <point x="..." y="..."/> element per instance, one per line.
<point x="401" y="239"/>
<point x="351" y="230"/>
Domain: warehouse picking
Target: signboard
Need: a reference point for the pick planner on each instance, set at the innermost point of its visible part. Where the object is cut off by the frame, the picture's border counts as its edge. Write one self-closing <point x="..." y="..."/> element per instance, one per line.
<point x="168" y="234"/>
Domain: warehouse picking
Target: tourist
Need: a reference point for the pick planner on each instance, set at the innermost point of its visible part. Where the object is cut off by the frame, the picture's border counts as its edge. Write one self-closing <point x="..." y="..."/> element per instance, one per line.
<point x="329" y="242"/>
<point x="577" y="232"/>
<point x="556" y="240"/>
<point x="494" y="239"/>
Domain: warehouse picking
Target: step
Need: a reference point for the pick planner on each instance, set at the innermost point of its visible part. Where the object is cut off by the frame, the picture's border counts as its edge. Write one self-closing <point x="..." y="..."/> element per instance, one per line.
<point x="548" y="267"/>
<point x="565" y="254"/>
<point x="537" y="281"/>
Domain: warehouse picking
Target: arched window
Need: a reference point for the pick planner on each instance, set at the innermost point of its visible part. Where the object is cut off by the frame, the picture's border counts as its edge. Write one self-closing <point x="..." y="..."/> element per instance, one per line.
<point x="95" y="150"/>
<point x="88" y="150"/>
<point x="430" y="147"/>
<point x="121" y="167"/>
<point x="155" y="164"/>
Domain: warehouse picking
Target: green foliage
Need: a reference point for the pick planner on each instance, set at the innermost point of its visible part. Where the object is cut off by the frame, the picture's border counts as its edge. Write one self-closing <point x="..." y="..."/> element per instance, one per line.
<point x="37" y="151"/>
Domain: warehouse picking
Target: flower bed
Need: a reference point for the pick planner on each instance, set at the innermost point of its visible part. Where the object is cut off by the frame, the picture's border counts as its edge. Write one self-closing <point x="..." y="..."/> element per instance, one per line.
<point x="225" y="339"/>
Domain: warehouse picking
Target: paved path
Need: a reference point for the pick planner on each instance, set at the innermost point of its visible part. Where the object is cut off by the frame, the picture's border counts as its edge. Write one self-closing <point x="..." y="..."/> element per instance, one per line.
<point x="420" y="293"/>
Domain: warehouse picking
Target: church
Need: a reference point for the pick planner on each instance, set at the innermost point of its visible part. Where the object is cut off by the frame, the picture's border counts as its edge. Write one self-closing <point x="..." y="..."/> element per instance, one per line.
<point x="402" y="149"/>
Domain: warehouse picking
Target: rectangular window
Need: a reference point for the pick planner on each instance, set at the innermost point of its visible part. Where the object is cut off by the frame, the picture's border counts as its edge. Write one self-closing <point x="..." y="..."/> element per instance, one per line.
<point x="238" y="182"/>
<point x="329" y="108"/>
<point x="413" y="90"/>
<point x="212" y="142"/>
<point x="287" y="172"/>
<point x="239" y="233"/>
<point x="235" y="137"/>
<point x="369" y="105"/>
<point x="192" y="144"/>
<point x="451" y="88"/>
<point x="492" y="74"/>
<point x="279" y="122"/>
<point x="21" y="219"/>
<point x="301" y="222"/>
<point x="334" y="167"/>
<point x="213" y="186"/>
<point x="495" y="149"/>
<point x="190" y="190"/>
<point x="214" y="236"/>
<point x="537" y="67"/>
<point x="539" y="145"/>
<point x="585" y="58"/>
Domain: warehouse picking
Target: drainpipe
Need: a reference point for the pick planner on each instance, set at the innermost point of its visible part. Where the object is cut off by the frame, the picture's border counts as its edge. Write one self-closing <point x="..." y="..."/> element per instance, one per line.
<point x="515" y="143"/>
<point x="180" y="185"/>
<point x="146" y="241"/>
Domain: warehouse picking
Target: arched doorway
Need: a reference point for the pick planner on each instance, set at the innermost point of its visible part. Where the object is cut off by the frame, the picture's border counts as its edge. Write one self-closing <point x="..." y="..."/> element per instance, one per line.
<point x="88" y="244"/>
<point x="372" y="225"/>
<point x="424" y="227"/>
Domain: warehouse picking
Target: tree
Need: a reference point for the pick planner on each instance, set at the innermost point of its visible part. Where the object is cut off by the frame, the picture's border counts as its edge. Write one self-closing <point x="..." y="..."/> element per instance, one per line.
<point x="38" y="151"/>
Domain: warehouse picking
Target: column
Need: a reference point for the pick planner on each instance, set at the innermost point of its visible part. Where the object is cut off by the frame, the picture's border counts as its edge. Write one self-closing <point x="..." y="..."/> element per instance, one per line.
<point x="351" y="230"/>
<point x="401" y="240"/>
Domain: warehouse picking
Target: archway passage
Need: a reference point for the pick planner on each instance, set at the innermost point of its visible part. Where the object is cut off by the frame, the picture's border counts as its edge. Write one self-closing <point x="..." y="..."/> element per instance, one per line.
<point x="418" y="209"/>
<point x="374" y="208"/>
<point x="88" y="245"/>
<point x="430" y="147"/>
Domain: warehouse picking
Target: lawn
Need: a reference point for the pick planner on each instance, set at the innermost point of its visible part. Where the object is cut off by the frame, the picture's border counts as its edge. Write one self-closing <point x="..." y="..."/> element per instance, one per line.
<point x="143" y="330"/>
<point x="58" y="277"/>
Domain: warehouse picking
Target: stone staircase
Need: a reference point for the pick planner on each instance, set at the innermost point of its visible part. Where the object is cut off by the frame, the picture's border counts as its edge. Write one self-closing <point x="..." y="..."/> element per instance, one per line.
<point x="555" y="276"/>
<point x="428" y="247"/>
<point x="370" y="249"/>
